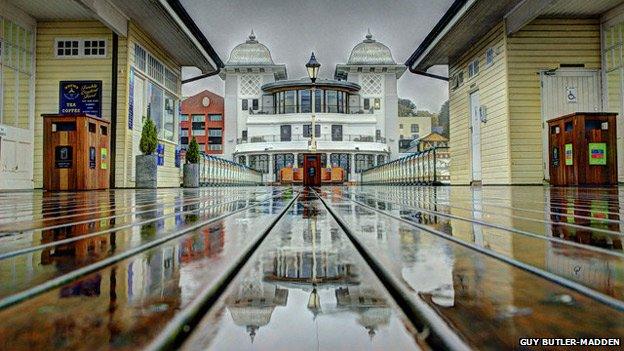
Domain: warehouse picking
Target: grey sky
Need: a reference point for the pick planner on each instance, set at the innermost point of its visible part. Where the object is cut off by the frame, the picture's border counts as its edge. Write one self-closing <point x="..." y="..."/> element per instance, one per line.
<point x="291" y="29"/>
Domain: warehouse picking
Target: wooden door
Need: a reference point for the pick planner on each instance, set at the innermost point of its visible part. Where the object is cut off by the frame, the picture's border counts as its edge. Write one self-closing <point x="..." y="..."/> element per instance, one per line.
<point x="312" y="169"/>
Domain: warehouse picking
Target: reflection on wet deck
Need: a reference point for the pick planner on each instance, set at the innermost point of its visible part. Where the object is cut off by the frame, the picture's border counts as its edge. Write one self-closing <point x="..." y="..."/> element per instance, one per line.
<point x="332" y="268"/>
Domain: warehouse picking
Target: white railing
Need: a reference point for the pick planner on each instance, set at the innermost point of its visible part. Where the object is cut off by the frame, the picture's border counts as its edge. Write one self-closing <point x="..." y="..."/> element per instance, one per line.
<point x="215" y="171"/>
<point x="424" y="167"/>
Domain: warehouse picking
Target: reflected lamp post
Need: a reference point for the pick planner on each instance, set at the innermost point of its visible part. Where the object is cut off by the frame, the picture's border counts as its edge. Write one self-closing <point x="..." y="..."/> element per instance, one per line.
<point x="313" y="67"/>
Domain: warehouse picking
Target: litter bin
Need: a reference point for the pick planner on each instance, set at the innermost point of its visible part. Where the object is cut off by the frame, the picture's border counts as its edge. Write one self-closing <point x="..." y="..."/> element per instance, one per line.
<point x="75" y="155"/>
<point x="582" y="149"/>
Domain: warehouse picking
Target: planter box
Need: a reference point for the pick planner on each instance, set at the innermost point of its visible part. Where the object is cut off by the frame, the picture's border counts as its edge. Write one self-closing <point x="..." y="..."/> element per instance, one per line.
<point x="191" y="175"/>
<point x="147" y="171"/>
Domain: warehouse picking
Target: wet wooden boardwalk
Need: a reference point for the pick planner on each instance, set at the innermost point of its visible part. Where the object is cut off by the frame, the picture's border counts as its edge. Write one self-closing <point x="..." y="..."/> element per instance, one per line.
<point x="330" y="268"/>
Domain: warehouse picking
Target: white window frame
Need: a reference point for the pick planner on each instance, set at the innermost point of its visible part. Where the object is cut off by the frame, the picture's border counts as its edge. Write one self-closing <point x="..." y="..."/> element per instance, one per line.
<point x="81" y="48"/>
<point x="473" y="68"/>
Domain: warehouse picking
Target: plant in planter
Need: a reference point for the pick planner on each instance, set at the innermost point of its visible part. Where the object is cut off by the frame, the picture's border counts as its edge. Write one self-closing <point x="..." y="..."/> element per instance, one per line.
<point x="191" y="167"/>
<point x="147" y="164"/>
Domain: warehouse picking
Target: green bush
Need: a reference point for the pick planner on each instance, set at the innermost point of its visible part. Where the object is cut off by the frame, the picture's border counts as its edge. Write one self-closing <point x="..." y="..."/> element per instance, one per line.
<point x="192" y="155"/>
<point x="149" y="138"/>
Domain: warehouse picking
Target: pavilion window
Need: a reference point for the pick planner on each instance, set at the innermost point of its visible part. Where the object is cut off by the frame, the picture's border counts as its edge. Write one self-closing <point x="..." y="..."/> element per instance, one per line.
<point x="290" y="103"/>
<point x="305" y="96"/>
<point x="319" y="105"/>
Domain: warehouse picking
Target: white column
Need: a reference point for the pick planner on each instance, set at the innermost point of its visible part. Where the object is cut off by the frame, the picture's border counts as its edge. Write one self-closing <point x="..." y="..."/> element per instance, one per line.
<point x="271" y="166"/>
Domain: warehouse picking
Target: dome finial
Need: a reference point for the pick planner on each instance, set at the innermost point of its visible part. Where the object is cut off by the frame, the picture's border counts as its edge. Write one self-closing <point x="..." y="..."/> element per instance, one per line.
<point x="252" y="36"/>
<point x="369" y="37"/>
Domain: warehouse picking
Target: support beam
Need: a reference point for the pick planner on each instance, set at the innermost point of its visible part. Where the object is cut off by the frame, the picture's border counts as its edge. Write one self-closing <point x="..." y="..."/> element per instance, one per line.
<point x="524" y="13"/>
<point x="108" y="14"/>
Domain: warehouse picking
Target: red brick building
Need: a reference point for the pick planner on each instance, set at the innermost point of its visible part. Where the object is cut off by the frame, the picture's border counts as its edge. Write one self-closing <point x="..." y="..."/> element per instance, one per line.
<point x="201" y="116"/>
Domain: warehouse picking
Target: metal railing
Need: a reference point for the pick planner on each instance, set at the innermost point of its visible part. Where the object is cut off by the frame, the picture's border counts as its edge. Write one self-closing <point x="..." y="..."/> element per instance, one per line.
<point x="326" y="137"/>
<point x="215" y="171"/>
<point x="290" y="109"/>
<point x="430" y="166"/>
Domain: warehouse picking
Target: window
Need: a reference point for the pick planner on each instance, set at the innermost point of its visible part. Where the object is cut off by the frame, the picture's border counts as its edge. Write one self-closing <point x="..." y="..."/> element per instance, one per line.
<point x="332" y="101"/>
<point x="198" y="118"/>
<point x="184" y="132"/>
<point x="336" y="132"/>
<point x="473" y="68"/>
<point x="215" y="118"/>
<point x="290" y="102"/>
<point x="377" y="104"/>
<point x="67" y="48"/>
<point x="308" y="127"/>
<point x="285" y="133"/>
<point x="305" y="103"/>
<point x="244" y="135"/>
<point x="140" y="57"/>
<point x="162" y="109"/>
<point x="366" y="104"/>
<point x="199" y="132"/>
<point x="457" y="80"/>
<point x="171" y="80"/>
<point x="400" y="126"/>
<point x="244" y="105"/>
<point x="16" y="71"/>
<point x="254" y="104"/>
<point x="215" y="147"/>
<point x="183" y="118"/>
<point x="489" y="57"/>
<point x="415" y="128"/>
<point x="184" y="140"/>
<point x="259" y="163"/>
<point x="95" y="48"/>
<point x="415" y="136"/>
<point x="155" y="69"/>
<point x="215" y="132"/>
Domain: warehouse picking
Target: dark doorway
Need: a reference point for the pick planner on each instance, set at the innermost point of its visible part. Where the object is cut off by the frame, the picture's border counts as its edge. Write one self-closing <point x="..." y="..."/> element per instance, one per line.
<point x="312" y="169"/>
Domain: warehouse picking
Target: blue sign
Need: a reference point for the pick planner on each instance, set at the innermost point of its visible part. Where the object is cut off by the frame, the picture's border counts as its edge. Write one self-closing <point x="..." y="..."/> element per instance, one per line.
<point x="177" y="156"/>
<point x="160" y="151"/>
<point x="80" y="97"/>
<point x="131" y="100"/>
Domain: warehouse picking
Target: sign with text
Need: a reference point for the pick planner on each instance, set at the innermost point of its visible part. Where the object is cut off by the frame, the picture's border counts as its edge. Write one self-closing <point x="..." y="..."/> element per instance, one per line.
<point x="80" y="97"/>
<point x="63" y="156"/>
<point x="598" y="154"/>
<point x="569" y="155"/>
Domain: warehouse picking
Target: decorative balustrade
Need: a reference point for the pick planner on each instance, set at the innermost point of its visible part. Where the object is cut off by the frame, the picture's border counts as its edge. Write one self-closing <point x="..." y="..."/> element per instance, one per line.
<point x="424" y="167"/>
<point x="215" y="171"/>
<point x="344" y="137"/>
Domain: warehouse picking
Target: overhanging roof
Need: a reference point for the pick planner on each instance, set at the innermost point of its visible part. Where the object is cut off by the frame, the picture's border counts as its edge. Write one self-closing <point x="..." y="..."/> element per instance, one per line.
<point x="165" y="21"/>
<point x="168" y="23"/>
<point x="466" y="21"/>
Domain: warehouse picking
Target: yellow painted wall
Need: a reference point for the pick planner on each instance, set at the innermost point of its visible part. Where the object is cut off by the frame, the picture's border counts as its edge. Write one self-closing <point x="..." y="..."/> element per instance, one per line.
<point x="540" y="45"/>
<point x="492" y="85"/>
<point x="50" y="71"/>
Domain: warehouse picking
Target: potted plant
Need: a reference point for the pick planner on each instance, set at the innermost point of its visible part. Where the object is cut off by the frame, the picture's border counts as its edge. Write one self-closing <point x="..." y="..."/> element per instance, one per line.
<point x="147" y="163"/>
<point x="191" y="167"/>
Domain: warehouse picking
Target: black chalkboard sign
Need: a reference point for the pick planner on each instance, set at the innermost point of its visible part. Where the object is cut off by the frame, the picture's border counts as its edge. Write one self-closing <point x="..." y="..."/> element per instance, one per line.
<point x="78" y="97"/>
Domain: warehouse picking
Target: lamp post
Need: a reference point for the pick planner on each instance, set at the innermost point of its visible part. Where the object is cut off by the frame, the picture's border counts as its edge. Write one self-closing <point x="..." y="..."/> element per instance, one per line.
<point x="313" y="67"/>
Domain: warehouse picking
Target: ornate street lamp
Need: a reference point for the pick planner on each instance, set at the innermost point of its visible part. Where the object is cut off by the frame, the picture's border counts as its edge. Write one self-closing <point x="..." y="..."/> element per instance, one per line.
<point x="313" y="68"/>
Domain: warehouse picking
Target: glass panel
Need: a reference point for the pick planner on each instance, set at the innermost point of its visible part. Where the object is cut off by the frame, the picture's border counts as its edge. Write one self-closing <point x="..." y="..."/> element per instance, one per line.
<point x="155" y="98"/>
<point x="290" y="103"/>
<point x="306" y="101"/>
<point x="9" y="106"/>
<point x="332" y="101"/>
<point x="319" y="101"/>
<point x="169" y="117"/>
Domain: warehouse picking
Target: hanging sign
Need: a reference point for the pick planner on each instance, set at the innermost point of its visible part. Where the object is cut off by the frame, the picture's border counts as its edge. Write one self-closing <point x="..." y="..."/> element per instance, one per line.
<point x="63" y="157"/>
<point x="571" y="96"/>
<point x="598" y="154"/>
<point x="80" y="97"/>
<point x="569" y="155"/>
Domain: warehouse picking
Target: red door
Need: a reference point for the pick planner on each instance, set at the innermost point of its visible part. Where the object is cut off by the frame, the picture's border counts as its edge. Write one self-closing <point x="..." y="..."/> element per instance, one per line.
<point x="312" y="169"/>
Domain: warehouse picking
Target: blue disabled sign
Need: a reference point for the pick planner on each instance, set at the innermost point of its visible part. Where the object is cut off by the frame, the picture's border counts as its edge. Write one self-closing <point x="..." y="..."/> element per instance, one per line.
<point x="79" y="97"/>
